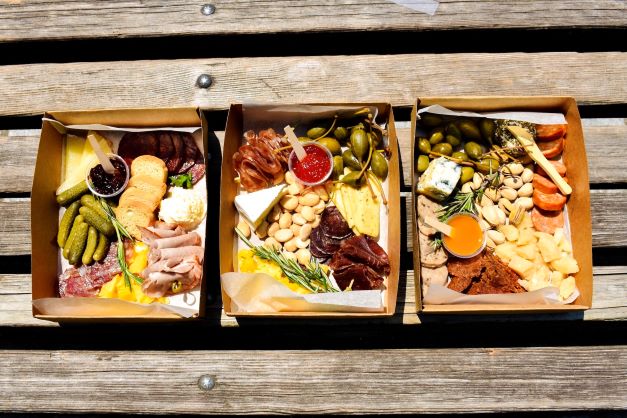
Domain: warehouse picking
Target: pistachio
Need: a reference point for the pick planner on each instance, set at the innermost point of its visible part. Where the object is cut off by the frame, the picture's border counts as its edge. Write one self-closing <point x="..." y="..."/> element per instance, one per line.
<point x="467" y="187"/>
<point x="514" y="169"/>
<point x="490" y="243"/>
<point x="272" y="243"/>
<point x="494" y="215"/>
<point x="477" y="179"/>
<point x="514" y="182"/>
<point x="274" y="226"/>
<point x="486" y="201"/>
<point x="527" y="175"/>
<point x="505" y="205"/>
<point x="525" y="190"/>
<point x="284" y="221"/>
<point x="524" y="202"/>
<point x="484" y="225"/>
<point x="496" y="236"/>
<point x="298" y="219"/>
<point x="303" y="256"/>
<point x="304" y="232"/>
<point x="283" y="235"/>
<point x="290" y="245"/>
<point x="492" y="193"/>
<point x="508" y="193"/>
<point x="309" y="199"/>
<point x="501" y="215"/>
<point x="262" y="230"/>
<point x="243" y="226"/>
<point x="516" y="215"/>
<point x="289" y="202"/>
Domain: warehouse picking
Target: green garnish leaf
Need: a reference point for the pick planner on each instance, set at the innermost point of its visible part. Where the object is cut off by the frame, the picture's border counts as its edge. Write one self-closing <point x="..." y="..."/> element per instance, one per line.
<point x="181" y="180"/>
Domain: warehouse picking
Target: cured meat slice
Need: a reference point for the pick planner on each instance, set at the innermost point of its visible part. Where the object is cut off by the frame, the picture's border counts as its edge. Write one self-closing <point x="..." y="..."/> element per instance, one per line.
<point x="325" y="244"/>
<point x="175" y="161"/>
<point x="166" y="147"/>
<point x="197" y="171"/>
<point x="547" y="221"/>
<point x="86" y="281"/>
<point x="260" y="163"/>
<point x="430" y="277"/>
<point x="359" y="250"/>
<point x="429" y="256"/>
<point x="426" y="207"/>
<point x="466" y="266"/>
<point x="182" y="252"/>
<point x="191" y="150"/>
<point x="191" y="238"/>
<point x="134" y="144"/>
<point x="333" y="224"/>
<point x="358" y="277"/>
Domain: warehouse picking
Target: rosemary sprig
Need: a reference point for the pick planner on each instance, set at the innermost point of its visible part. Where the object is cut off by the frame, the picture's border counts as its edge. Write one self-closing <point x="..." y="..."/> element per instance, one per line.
<point x="461" y="203"/>
<point x="121" y="233"/>
<point x="437" y="241"/>
<point x="312" y="278"/>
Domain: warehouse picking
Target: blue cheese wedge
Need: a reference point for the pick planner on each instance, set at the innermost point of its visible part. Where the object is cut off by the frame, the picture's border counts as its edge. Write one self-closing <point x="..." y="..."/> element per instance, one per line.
<point x="254" y="207"/>
<point x="439" y="179"/>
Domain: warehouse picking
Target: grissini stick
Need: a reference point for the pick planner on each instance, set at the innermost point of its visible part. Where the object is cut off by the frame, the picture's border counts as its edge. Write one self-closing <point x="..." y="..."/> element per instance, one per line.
<point x="526" y="140"/>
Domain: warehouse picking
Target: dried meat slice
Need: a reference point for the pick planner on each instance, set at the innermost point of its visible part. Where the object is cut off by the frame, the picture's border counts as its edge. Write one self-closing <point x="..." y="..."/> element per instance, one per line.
<point x="134" y="144"/>
<point x="333" y="224"/>
<point x="357" y="277"/>
<point x="166" y="147"/>
<point x="175" y="161"/>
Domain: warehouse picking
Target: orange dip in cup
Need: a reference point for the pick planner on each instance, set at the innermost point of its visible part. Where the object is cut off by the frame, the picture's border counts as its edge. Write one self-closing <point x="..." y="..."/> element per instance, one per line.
<point x="467" y="239"/>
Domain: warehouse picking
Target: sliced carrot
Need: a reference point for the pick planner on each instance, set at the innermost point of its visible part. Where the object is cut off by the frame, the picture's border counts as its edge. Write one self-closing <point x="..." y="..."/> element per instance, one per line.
<point x="548" y="201"/>
<point x="559" y="166"/>
<point x="543" y="184"/>
<point x="547" y="221"/>
<point x="550" y="132"/>
<point x="552" y="148"/>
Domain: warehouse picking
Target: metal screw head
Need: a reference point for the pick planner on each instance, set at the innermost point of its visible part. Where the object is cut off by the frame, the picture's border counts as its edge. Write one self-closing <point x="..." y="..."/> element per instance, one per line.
<point x="206" y="382"/>
<point x="204" y="81"/>
<point x="208" y="9"/>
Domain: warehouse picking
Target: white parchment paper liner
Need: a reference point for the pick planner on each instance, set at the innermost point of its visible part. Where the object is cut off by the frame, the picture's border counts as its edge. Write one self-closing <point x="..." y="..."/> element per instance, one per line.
<point x="441" y="295"/>
<point x="184" y="305"/>
<point x="532" y="117"/>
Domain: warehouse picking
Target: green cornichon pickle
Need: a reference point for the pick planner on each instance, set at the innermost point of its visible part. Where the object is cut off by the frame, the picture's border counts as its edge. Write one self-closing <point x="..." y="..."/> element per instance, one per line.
<point x="487" y="128"/>
<point x="91" y="202"/>
<point x="424" y="146"/>
<point x="379" y="165"/>
<point x="101" y="249"/>
<point x="66" y="223"/>
<point x="93" y="219"/>
<point x="315" y="132"/>
<point x="350" y="160"/>
<point x="422" y="163"/>
<point x="360" y="144"/>
<point x="90" y="247"/>
<point x="341" y="133"/>
<point x="470" y="130"/>
<point x="68" y="242"/>
<point x="338" y="166"/>
<point x="430" y="120"/>
<point x="78" y="244"/>
<point x="72" y="194"/>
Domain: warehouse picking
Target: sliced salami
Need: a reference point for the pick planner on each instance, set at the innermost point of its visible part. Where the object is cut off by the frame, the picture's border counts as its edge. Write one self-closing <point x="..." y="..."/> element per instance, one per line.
<point x="134" y="144"/>
<point x="166" y="147"/>
<point x="333" y="224"/>
<point x="197" y="171"/>
<point x="175" y="161"/>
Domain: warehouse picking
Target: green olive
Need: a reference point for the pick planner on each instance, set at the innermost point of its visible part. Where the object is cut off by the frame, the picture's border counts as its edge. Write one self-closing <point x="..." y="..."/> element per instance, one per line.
<point x="316" y="132"/>
<point x="487" y="165"/>
<point x="473" y="150"/>
<point x="430" y="120"/>
<point x="424" y="146"/>
<point x="338" y="166"/>
<point x="422" y="163"/>
<point x="460" y="156"/>
<point x="352" y="179"/>
<point x="470" y="130"/>
<point x="379" y="165"/>
<point x="452" y="129"/>
<point x="360" y="144"/>
<point x="358" y="126"/>
<point x="331" y="144"/>
<point x="443" y="148"/>
<point x="467" y="173"/>
<point x="453" y="140"/>
<point x="487" y="128"/>
<point x="437" y="136"/>
<point x="350" y="161"/>
<point x="341" y="133"/>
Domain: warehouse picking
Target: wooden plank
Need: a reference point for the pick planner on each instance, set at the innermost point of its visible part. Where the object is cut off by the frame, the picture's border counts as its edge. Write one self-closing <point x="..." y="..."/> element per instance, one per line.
<point x="604" y="137"/>
<point x="259" y="382"/>
<point x="398" y="79"/>
<point x="609" y="303"/>
<point x="44" y="20"/>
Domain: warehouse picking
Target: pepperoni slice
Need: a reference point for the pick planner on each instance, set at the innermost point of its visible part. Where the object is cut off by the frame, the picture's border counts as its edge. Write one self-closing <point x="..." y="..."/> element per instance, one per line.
<point x="552" y="149"/>
<point x="550" y="132"/>
<point x="547" y="221"/>
<point x="548" y="201"/>
<point x="543" y="184"/>
<point x="559" y="166"/>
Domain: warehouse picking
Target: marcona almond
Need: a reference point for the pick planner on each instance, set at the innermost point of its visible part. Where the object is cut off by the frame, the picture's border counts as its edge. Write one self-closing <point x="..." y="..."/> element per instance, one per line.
<point x="303" y="256"/>
<point x="290" y="245"/>
<point x="319" y="208"/>
<point x="295" y="189"/>
<point x="262" y="230"/>
<point x="298" y="218"/>
<point x="274" y="226"/>
<point x="289" y="202"/>
<point x="290" y="178"/>
<point x="290" y="255"/>
<point x="322" y="192"/>
<point x="309" y="199"/>
<point x="302" y="244"/>
<point x="272" y="243"/>
<point x="283" y="235"/>
<point x="316" y="222"/>
<point x="295" y="229"/>
<point x="308" y="213"/>
<point x="305" y="232"/>
<point x="275" y="214"/>
<point x="243" y="226"/>
<point x="285" y="220"/>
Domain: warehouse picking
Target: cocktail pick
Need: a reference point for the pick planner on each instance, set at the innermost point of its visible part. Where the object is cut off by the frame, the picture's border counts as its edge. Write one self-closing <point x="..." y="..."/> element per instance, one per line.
<point x="298" y="148"/>
<point x="102" y="157"/>
<point x="439" y="226"/>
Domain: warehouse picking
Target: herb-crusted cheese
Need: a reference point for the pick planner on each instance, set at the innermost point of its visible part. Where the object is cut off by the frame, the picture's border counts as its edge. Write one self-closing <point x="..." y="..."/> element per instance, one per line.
<point x="439" y="179"/>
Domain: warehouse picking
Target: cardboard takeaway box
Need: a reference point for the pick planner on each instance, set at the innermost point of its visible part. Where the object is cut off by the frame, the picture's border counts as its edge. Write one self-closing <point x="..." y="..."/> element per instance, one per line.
<point x="261" y="118"/>
<point x="574" y="157"/>
<point x="47" y="178"/>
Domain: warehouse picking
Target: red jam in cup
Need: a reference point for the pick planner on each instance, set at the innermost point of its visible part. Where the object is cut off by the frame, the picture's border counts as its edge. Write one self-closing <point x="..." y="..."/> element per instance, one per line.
<point x="315" y="168"/>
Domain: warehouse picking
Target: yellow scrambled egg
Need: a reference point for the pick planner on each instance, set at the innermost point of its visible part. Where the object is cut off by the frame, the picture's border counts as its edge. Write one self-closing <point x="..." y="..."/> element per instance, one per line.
<point x="249" y="263"/>
<point x="117" y="288"/>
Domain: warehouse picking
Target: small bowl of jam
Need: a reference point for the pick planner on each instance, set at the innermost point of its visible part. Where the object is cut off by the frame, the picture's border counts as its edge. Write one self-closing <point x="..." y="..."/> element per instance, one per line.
<point x="104" y="184"/>
<point x="467" y="239"/>
<point x="315" y="168"/>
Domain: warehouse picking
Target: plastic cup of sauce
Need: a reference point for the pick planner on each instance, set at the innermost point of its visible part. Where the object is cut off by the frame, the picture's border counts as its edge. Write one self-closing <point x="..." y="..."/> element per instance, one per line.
<point x="315" y="168"/>
<point x="467" y="239"/>
<point x="107" y="185"/>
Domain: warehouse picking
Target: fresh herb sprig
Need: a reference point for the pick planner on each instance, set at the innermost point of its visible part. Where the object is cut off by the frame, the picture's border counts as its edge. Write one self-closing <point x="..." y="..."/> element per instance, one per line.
<point x="181" y="180"/>
<point x="312" y="278"/>
<point x="121" y="233"/>
<point x="465" y="202"/>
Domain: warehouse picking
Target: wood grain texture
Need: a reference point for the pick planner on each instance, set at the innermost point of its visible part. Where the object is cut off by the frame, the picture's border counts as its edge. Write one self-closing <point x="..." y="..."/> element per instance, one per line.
<point x="604" y="137"/>
<point x="404" y="380"/>
<point x="609" y="304"/>
<point x="44" y="19"/>
<point x="399" y="79"/>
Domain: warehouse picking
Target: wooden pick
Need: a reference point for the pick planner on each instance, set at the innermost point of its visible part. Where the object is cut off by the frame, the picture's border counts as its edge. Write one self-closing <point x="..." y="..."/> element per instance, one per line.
<point x="298" y="148"/>
<point x="439" y="226"/>
<point x="526" y="140"/>
<point x="102" y="157"/>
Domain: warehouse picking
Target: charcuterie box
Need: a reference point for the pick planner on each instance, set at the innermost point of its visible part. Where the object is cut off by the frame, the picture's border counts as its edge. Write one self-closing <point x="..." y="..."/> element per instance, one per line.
<point x="541" y="253"/>
<point x="161" y="275"/>
<point x="338" y="244"/>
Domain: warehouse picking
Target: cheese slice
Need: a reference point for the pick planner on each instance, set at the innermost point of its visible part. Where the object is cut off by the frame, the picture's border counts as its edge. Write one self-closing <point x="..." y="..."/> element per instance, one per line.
<point x="255" y="206"/>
